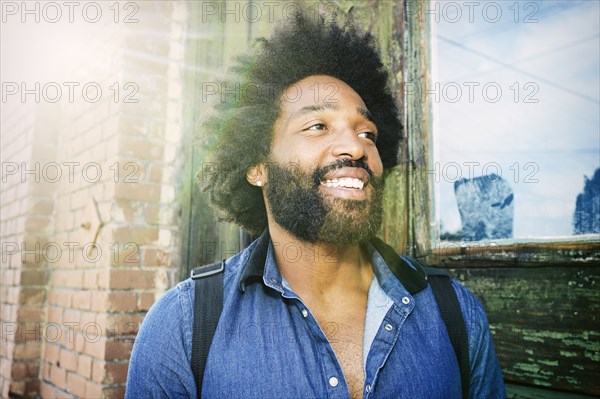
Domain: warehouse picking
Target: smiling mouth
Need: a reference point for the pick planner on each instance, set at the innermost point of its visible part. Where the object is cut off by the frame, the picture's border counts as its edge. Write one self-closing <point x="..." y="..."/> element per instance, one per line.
<point x="345" y="182"/>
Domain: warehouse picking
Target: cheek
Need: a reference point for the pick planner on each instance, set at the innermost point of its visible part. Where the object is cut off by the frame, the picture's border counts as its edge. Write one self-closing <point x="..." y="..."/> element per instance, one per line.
<point x="375" y="162"/>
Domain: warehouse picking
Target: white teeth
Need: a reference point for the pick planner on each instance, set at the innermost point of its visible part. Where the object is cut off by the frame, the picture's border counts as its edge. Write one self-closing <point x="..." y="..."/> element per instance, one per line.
<point x="347" y="182"/>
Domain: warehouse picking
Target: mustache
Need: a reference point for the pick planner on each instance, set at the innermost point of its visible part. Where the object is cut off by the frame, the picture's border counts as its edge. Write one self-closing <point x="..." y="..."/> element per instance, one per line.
<point x="320" y="173"/>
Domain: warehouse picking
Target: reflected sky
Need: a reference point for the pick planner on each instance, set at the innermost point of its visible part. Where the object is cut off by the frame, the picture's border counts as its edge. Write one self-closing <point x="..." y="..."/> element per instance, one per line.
<point x="519" y="93"/>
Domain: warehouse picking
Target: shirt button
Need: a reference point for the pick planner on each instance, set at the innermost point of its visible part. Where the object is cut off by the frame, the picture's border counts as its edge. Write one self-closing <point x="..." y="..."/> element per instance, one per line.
<point x="304" y="313"/>
<point x="368" y="388"/>
<point x="389" y="327"/>
<point x="405" y="300"/>
<point x="333" y="381"/>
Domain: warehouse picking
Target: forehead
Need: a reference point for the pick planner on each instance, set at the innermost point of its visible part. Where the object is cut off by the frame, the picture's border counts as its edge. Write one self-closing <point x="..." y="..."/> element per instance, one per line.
<point x="318" y="92"/>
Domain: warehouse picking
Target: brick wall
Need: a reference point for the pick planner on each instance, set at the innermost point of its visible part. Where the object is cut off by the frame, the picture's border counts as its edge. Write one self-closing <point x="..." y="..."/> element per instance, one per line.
<point x="26" y="224"/>
<point x="107" y="231"/>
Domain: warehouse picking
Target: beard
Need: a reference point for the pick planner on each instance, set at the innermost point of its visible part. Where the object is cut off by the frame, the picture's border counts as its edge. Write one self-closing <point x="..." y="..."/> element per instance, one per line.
<point x="298" y="204"/>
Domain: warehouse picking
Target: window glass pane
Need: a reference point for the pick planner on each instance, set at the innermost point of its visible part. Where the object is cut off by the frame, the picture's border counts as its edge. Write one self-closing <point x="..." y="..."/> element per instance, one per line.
<point x="516" y="100"/>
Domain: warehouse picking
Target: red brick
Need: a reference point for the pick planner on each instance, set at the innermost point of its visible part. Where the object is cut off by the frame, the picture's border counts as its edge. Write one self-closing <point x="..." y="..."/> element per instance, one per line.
<point x="18" y="371"/>
<point x="95" y="279"/>
<point x="27" y="350"/>
<point x="55" y="314"/>
<point x="124" y="210"/>
<point x="131" y="279"/>
<point x="58" y="376"/>
<point x="17" y="388"/>
<point x="82" y="299"/>
<point x="84" y="367"/>
<point x="60" y="297"/>
<point x="80" y="341"/>
<point x="122" y="301"/>
<point x="118" y="349"/>
<point x="116" y="372"/>
<point x="119" y="324"/>
<point x="90" y="279"/>
<point x="114" y="392"/>
<point x="72" y="316"/>
<point x="93" y="390"/>
<point x="68" y="360"/>
<point x="33" y="369"/>
<point x="76" y="384"/>
<point x="52" y="353"/>
<point x="126" y="254"/>
<point x="146" y="301"/>
<point x="69" y="335"/>
<point x="32" y="296"/>
<point x="32" y="387"/>
<point x="67" y="278"/>
<point x="156" y="257"/>
<point x="147" y="192"/>
<point x="46" y="371"/>
<point x="33" y="277"/>
<point x="95" y="348"/>
<point x="29" y="332"/>
<point x="87" y="320"/>
<point x="30" y="314"/>
<point x="135" y="234"/>
<point x="98" y="370"/>
<point x="48" y="391"/>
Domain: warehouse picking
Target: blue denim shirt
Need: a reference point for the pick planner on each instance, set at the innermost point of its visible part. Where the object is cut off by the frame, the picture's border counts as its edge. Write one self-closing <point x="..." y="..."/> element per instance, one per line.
<point x="269" y="345"/>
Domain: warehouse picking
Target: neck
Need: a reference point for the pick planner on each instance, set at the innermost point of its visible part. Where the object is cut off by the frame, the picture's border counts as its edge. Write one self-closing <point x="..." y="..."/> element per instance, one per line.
<point x="318" y="271"/>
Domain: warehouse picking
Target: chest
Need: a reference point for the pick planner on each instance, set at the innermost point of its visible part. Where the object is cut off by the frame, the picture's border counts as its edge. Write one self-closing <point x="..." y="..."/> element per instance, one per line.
<point x="266" y="347"/>
<point x="346" y="336"/>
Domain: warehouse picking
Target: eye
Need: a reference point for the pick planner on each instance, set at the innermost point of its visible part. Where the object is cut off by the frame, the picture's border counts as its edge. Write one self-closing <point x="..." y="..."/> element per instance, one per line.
<point x="368" y="135"/>
<point x="317" y="126"/>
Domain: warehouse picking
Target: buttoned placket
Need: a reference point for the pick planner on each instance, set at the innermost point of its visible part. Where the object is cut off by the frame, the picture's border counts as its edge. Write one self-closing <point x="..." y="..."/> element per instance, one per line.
<point x="332" y="373"/>
<point x="384" y="342"/>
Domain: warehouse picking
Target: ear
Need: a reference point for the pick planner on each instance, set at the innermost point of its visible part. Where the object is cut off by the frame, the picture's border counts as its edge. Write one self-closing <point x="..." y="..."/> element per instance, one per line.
<point x="257" y="175"/>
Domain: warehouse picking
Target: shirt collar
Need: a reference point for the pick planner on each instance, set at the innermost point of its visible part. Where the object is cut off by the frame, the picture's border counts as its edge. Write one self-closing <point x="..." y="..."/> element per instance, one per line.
<point x="413" y="280"/>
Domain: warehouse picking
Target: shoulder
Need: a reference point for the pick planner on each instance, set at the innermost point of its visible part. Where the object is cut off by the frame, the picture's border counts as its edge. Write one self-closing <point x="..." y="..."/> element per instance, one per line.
<point x="160" y="359"/>
<point x="170" y="316"/>
<point x="472" y="309"/>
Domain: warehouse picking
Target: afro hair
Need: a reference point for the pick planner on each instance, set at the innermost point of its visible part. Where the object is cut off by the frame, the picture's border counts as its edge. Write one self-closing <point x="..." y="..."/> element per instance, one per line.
<point x="241" y="129"/>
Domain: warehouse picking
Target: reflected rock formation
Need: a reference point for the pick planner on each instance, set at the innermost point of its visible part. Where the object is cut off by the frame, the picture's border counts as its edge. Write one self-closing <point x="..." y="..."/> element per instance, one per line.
<point x="486" y="207"/>
<point x="586" y="219"/>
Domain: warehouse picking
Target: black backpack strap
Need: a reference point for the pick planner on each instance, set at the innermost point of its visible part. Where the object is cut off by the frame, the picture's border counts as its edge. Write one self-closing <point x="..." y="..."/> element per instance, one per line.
<point x="208" y="303"/>
<point x="441" y="285"/>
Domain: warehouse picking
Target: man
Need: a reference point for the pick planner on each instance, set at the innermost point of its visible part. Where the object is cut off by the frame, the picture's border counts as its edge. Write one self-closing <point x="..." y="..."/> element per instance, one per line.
<point x="311" y="308"/>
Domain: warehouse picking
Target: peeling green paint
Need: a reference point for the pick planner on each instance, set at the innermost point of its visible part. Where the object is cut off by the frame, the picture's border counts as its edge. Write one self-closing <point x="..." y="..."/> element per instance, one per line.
<point x="568" y="354"/>
<point x="532" y="368"/>
<point x="549" y="362"/>
<point x="594" y="356"/>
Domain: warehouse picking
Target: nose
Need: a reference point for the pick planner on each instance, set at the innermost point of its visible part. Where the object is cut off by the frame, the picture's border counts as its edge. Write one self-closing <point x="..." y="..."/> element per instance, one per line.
<point x="348" y="145"/>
